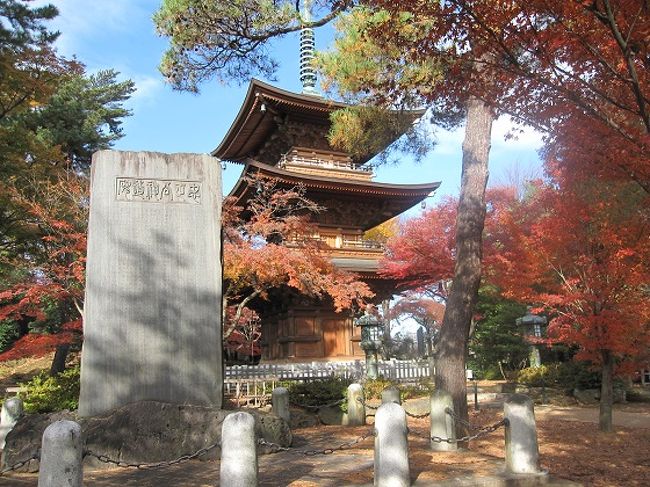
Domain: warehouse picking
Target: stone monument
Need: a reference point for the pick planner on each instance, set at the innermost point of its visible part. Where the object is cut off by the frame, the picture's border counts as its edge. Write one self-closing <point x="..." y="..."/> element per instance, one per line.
<point x="152" y="313"/>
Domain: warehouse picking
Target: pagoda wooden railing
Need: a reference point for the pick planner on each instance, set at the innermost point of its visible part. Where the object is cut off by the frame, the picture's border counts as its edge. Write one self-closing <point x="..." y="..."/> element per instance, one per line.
<point x="344" y="243"/>
<point x="323" y="163"/>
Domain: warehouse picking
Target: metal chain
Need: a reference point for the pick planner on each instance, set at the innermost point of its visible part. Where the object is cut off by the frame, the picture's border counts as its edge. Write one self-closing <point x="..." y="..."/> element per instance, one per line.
<point x="417" y="416"/>
<point x="481" y="432"/>
<point x="275" y="448"/>
<point x="16" y="466"/>
<point x="365" y="404"/>
<point x="316" y="407"/>
<point x="458" y="419"/>
<point x="181" y="459"/>
<point x="469" y="425"/>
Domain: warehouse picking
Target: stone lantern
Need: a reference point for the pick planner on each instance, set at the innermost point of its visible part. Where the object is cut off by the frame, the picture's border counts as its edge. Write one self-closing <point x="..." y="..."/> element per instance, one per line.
<point x="532" y="326"/>
<point x="370" y="341"/>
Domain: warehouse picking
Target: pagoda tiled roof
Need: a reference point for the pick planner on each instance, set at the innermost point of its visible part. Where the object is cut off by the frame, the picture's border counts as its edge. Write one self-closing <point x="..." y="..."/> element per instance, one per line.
<point x="254" y="125"/>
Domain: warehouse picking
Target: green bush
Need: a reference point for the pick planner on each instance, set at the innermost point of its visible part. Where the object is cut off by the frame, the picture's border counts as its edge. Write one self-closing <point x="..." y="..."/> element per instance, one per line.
<point x="578" y="375"/>
<point x="45" y="394"/>
<point x="490" y="373"/>
<point x="537" y="376"/>
<point x="373" y="388"/>
<point x="565" y="375"/>
<point x="318" y="392"/>
<point x="9" y="333"/>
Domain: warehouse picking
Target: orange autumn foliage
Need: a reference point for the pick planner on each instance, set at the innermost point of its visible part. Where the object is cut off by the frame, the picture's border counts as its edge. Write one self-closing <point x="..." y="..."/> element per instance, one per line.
<point x="38" y="345"/>
<point x="47" y="298"/>
<point x="423" y="253"/>
<point x="267" y="245"/>
<point x="581" y="252"/>
<point x="575" y="70"/>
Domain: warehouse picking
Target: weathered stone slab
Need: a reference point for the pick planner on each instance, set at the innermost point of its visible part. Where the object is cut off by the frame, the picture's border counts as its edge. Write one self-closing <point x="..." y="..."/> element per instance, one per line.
<point x="152" y="326"/>
<point x="142" y="432"/>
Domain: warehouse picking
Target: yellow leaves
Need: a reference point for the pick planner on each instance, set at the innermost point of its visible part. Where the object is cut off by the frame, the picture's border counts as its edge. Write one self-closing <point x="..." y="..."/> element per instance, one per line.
<point x="384" y="232"/>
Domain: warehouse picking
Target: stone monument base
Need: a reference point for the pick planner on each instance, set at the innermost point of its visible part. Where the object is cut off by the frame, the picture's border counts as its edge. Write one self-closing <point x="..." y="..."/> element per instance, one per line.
<point x="141" y="432"/>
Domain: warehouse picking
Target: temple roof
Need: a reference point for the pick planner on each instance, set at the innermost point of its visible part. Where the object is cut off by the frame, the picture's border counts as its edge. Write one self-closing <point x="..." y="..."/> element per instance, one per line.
<point x="379" y="201"/>
<point x="260" y="112"/>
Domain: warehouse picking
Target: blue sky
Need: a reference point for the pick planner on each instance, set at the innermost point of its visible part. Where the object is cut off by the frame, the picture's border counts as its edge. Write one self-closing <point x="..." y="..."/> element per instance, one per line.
<point x="119" y="34"/>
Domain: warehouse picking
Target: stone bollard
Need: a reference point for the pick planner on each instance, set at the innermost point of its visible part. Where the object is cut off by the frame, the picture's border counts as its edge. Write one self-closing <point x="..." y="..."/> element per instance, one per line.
<point x="238" y="451"/>
<point x="61" y="455"/>
<point x="442" y="423"/>
<point x="390" y="394"/>
<point x="391" y="447"/>
<point x="356" y="409"/>
<point x="12" y="410"/>
<point x="522" y="451"/>
<point x="280" y="401"/>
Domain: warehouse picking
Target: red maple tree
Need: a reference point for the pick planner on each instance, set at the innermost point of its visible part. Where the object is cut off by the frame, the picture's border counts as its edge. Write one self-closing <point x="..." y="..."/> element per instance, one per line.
<point x="580" y="250"/>
<point x="48" y="300"/>
<point x="422" y="256"/>
<point x="267" y="245"/>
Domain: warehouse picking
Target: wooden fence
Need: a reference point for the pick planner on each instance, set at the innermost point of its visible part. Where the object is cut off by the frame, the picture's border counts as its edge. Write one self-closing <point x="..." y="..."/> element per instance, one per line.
<point x="253" y="384"/>
<point x="395" y="370"/>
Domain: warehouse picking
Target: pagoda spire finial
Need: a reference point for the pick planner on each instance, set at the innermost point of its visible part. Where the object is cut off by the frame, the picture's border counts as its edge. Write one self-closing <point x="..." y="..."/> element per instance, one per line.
<point x="307" y="52"/>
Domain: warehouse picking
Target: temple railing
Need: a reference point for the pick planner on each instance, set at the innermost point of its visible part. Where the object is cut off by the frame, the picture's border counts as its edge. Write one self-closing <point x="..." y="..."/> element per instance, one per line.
<point x="323" y="163"/>
<point x="343" y="244"/>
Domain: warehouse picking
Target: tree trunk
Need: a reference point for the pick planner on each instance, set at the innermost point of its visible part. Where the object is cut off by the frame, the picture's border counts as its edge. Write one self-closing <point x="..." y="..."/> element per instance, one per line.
<point x="385" y="311"/>
<point x="58" y="362"/>
<point x="606" y="392"/>
<point x="454" y="333"/>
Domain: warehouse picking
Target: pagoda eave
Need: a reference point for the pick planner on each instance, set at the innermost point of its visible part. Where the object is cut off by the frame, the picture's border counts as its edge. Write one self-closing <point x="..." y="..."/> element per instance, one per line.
<point x="258" y="116"/>
<point x="382" y="200"/>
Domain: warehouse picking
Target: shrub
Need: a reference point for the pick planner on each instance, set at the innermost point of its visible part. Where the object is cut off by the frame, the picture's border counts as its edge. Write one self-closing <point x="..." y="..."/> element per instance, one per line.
<point x="45" y="394"/>
<point x="9" y="332"/>
<point x="537" y="376"/>
<point x="578" y="375"/>
<point x="565" y="375"/>
<point x="318" y="392"/>
<point x="490" y="373"/>
<point x="373" y="388"/>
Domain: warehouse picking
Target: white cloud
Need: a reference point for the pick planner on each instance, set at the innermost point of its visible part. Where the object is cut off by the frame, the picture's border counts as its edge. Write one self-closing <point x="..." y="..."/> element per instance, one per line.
<point x="147" y="88"/>
<point x="506" y="135"/>
<point x="81" y="20"/>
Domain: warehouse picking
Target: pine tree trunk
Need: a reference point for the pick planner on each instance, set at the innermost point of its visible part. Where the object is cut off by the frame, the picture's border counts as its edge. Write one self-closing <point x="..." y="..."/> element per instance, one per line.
<point x="454" y="333"/>
<point x="606" y="392"/>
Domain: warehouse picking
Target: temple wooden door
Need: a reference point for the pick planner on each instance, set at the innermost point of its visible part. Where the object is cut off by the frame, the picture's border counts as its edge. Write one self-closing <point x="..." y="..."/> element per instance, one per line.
<point x="333" y="338"/>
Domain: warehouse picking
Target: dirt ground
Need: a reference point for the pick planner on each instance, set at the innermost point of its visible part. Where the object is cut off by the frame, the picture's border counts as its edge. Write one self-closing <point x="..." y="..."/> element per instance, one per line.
<point x="569" y="449"/>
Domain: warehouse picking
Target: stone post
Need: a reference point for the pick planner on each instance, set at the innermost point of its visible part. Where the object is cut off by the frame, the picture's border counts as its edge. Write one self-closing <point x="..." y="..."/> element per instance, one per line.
<point x="391" y="447"/>
<point x="61" y="455"/>
<point x="442" y="423"/>
<point x="356" y="409"/>
<point x="280" y="402"/>
<point x="12" y="409"/>
<point x="522" y="451"/>
<point x="390" y="394"/>
<point x="238" y="451"/>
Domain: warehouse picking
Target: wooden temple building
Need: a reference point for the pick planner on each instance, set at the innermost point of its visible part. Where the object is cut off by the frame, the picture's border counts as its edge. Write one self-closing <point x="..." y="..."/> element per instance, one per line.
<point x="282" y="135"/>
